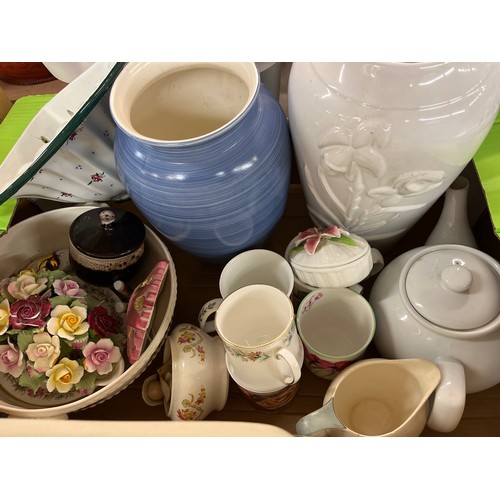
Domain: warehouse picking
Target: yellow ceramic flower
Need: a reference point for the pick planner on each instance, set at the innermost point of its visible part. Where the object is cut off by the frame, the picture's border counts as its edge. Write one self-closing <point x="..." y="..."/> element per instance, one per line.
<point x="64" y="375"/>
<point x="44" y="351"/>
<point x="4" y="316"/>
<point x="68" y="322"/>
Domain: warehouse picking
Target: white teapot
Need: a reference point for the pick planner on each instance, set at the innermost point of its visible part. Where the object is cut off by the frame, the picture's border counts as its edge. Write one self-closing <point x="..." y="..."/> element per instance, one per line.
<point x="442" y="303"/>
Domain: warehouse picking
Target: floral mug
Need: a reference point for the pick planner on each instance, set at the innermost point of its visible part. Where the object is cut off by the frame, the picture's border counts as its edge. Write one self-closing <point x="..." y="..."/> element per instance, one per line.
<point x="336" y="325"/>
<point x="257" y="327"/>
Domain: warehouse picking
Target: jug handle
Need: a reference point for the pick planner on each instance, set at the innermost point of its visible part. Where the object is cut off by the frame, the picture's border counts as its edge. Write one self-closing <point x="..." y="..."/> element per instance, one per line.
<point x="322" y="419"/>
<point x="449" y="397"/>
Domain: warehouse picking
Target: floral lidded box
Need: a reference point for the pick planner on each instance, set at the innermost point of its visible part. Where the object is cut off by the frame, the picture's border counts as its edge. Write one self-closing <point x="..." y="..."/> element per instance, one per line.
<point x="332" y="257"/>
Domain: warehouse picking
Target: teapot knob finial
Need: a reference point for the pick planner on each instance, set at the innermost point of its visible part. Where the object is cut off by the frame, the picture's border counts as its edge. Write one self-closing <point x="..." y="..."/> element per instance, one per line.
<point x="456" y="278"/>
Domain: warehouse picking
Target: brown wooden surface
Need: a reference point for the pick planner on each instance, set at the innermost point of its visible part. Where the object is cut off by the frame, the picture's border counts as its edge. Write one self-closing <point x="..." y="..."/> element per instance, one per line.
<point x="198" y="282"/>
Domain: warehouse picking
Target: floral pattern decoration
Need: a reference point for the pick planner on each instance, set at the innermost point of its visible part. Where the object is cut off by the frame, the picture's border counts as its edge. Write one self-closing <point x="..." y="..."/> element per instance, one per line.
<point x="247" y="355"/>
<point x="54" y="336"/>
<point x="191" y="341"/>
<point x="192" y="408"/>
<point x="310" y="239"/>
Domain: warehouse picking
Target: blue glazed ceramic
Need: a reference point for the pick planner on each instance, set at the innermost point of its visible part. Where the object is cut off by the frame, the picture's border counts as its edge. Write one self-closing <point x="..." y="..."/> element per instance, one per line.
<point x="204" y="152"/>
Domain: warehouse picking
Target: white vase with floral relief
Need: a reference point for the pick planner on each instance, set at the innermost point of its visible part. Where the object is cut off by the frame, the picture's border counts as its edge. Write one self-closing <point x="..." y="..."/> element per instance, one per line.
<point x="378" y="143"/>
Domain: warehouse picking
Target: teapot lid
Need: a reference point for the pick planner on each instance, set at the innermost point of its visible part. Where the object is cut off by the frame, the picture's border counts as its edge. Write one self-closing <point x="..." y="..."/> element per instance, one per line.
<point x="454" y="287"/>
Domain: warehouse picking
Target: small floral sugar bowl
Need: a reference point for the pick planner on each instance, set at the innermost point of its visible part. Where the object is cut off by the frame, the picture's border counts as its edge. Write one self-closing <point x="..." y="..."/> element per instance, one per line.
<point x="332" y="257"/>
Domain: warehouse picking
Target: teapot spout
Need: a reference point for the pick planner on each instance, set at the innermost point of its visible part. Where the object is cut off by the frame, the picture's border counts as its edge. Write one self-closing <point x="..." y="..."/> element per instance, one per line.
<point x="321" y="422"/>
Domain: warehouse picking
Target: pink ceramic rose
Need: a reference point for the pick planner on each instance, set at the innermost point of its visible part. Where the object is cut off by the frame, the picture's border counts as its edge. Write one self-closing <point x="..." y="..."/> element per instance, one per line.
<point x="11" y="360"/>
<point x="101" y="356"/>
<point x="32" y="311"/>
<point x="69" y="288"/>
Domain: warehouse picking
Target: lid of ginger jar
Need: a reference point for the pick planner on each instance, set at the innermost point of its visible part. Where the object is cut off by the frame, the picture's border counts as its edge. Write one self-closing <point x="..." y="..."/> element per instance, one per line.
<point x="453" y="286"/>
<point x="330" y="257"/>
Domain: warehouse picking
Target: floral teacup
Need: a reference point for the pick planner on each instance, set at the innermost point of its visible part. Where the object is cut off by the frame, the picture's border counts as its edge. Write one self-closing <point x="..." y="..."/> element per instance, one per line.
<point x="336" y="325"/>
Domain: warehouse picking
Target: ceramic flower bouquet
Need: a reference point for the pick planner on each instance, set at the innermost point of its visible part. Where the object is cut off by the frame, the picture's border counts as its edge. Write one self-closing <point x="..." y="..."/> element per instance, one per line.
<point x="56" y="337"/>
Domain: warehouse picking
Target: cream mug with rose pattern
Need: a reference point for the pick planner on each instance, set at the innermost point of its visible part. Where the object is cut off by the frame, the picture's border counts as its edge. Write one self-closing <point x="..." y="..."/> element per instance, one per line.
<point x="257" y="327"/>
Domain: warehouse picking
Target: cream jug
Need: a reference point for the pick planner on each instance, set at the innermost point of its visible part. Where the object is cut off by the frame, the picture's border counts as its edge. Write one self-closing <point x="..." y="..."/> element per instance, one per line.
<point x="375" y="397"/>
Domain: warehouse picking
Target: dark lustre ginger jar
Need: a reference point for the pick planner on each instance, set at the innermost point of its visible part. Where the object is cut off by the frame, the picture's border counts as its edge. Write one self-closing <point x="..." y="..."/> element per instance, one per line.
<point x="106" y="245"/>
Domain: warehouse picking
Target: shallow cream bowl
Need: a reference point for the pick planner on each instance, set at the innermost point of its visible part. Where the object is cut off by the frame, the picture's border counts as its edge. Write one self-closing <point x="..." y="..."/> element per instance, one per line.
<point x="49" y="231"/>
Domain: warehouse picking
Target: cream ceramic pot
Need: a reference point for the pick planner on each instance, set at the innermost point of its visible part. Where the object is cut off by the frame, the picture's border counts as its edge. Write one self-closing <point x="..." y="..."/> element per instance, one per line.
<point x="442" y="303"/>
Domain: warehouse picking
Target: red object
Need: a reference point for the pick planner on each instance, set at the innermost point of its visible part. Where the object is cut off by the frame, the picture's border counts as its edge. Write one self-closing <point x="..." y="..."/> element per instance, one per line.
<point x="25" y="73"/>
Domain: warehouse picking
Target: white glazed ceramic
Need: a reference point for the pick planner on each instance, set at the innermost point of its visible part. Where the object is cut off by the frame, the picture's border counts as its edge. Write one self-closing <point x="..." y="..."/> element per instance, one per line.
<point x="47" y="232"/>
<point x="453" y="224"/>
<point x="375" y="397"/>
<point x="193" y="380"/>
<point x="256" y="324"/>
<point x="67" y="71"/>
<point x="248" y="268"/>
<point x="66" y="151"/>
<point x="442" y="303"/>
<point x="335" y="265"/>
<point x="336" y="325"/>
<point x="377" y="143"/>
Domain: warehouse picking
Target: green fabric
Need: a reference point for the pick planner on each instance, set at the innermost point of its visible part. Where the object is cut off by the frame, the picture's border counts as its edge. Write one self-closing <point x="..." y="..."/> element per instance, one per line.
<point x="487" y="161"/>
<point x="13" y="125"/>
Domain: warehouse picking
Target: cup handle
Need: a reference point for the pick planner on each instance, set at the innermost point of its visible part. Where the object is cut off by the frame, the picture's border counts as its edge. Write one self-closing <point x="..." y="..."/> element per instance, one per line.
<point x="292" y="363"/>
<point x="449" y="397"/>
<point x="206" y="312"/>
<point x="378" y="262"/>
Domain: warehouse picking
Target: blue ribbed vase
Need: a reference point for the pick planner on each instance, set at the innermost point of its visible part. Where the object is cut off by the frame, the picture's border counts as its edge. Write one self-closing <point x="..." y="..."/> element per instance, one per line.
<point x="204" y="152"/>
